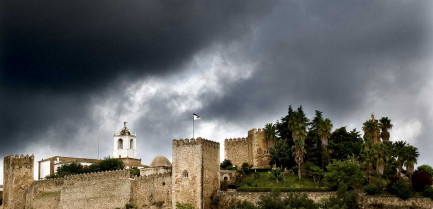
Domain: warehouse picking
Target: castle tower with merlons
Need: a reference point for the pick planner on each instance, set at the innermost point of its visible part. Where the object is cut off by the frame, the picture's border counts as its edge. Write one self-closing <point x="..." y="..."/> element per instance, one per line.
<point x="17" y="178"/>
<point x="253" y="150"/>
<point x="195" y="172"/>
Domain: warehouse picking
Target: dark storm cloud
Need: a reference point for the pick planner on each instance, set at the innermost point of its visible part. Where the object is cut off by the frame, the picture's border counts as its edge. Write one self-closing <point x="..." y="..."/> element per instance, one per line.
<point x="58" y="58"/>
<point x="329" y="56"/>
<point x="78" y="44"/>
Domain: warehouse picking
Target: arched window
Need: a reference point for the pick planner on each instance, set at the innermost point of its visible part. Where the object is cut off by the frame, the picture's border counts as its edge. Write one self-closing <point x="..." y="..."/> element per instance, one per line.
<point x="131" y="144"/>
<point x="120" y="144"/>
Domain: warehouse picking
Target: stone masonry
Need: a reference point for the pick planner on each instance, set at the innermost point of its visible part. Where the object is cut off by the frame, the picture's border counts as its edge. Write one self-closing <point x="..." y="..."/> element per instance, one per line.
<point x="253" y="150"/>
<point x="18" y="176"/>
<point x="195" y="170"/>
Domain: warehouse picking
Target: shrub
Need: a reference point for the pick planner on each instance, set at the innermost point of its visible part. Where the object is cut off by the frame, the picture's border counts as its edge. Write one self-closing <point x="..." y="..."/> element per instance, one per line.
<point x="246" y="168"/>
<point x="372" y="189"/>
<point x="226" y="165"/>
<point x="224" y="186"/>
<point x="347" y="172"/>
<point x="401" y="189"/>
<point x="345" y="199"/>
<point x="420" y="179"/>
<point x="242" y="205"/>
<point x="184" y="206"/>
<point x="300" y="201"/>
<point x="428" y="192"/>
<point x="129" y="206"/>
<point x="134" y="172"/>
<point x="282" y="189"/>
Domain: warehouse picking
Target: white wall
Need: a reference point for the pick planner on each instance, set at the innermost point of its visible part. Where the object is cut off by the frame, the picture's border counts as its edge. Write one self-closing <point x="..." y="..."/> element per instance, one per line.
<point x="45" y="169"/>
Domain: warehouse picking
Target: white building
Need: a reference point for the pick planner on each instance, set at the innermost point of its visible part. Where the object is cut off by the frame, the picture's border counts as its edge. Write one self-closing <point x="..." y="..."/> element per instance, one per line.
<point x="124" y="144"/>
<point x="49" y="166"/>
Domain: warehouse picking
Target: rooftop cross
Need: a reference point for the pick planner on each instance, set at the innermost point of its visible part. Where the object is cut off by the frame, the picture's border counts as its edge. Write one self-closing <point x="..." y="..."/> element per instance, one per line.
<point x="124" y="124"/>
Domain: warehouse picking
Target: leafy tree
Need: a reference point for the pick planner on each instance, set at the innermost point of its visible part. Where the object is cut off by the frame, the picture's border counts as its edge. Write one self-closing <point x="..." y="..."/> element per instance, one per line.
<point x="367" y="155"/>
<point x="134" y="171"/>
<point x="426" y="168"/>
<point x="246" y="168"/>
<point x="401" y="189"/>
<point x="110" y="164"/>
<point x="276" y="173"/>
<point x="314" y="171"/>
<point x="313" y="146"/>
<point x="69" y="169"/>
<point x="347" y="172"/>
<point x="226" y="165"/>
<point x="385" y="125"/>
<point x="280" y="154"/>
<point x="344" y="144"/>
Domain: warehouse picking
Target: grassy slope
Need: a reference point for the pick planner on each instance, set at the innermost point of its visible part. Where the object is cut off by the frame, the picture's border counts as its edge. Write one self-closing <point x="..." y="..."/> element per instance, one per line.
<point x="266" y="179"/>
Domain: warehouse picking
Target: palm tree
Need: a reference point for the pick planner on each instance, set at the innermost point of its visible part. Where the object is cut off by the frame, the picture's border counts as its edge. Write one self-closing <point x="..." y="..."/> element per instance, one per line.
<point x="298" y="126"/>
<point x="270" y="131"/>
<point x="385" y="125"/>
<point x="324" y="131"/>
<point x="399" y="153"/>
<point x="411" y="154"/>
<point x="368" y="157"/>
<point x="369" y="128"/>
<point x="381" y="154"/>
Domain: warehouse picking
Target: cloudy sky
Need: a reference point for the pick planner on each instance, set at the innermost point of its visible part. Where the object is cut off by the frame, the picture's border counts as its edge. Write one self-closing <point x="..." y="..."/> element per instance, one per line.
<point x="72" y="71"/>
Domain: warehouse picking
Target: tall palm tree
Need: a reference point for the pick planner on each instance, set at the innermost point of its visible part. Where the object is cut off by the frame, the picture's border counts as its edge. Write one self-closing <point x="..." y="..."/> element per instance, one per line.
<point x="385" y="125"/>
<point x="324" y="131"/>
<point x="298" y="126"/>
<point x="411" y="154"/>
<point x="270" y="131"/>
<point x="381" y="154"/>
<point x="399" y="153"/>
<point x="369" y="128"/>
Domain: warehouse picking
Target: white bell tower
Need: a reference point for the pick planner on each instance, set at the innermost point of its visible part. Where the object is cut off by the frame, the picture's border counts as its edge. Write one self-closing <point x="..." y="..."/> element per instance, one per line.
<point x="124" y="144"/>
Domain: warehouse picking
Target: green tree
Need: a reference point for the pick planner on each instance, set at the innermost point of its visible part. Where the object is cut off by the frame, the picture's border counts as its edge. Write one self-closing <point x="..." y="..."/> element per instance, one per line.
<point x="411" y="155"/>
<point x="276" y="173"/>
<point x="426" y="168"/>
<point x="226" y="165"/>
<point x="385" y="125"/>
<point x="399" y="154"/>
<point x="347" y="172"/>
<point x="270" y="131"/>
<point x="69" y="169"/>
<point x="369" y="127"/>
<point x="280" y="154"/>
<point x="325" y="128"/>
<point x="367" y="155"/>
<point x="110" y="164"/>
<point x="344" y="144"/>
<point x="298" y="127"/>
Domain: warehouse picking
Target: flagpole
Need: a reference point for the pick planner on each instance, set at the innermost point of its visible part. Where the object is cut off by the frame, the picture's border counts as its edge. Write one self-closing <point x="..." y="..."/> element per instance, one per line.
<point x="193" y="125"/>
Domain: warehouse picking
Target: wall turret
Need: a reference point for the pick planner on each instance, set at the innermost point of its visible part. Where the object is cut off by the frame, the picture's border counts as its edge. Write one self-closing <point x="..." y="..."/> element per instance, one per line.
<point x="17" y="178"/>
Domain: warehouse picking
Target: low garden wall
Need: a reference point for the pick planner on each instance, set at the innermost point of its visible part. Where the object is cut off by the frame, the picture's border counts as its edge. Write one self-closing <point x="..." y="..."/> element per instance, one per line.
<point x="367" y="202"/>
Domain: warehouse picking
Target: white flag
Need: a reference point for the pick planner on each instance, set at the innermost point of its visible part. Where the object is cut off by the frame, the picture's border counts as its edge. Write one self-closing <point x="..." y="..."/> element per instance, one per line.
<point x="196" y="117"/>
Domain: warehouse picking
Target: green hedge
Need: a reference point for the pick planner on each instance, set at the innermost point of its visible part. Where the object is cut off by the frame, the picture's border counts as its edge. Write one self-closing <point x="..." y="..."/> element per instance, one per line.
<point x="261" y="169"/>
<point x="281" y="189"/>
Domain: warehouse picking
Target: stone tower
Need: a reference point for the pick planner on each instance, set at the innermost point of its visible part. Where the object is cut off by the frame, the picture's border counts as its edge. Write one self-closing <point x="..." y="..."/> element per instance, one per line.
<point x="124" y="144"/>
<point x="17" y="178"/>
<point x="195" y="172"/>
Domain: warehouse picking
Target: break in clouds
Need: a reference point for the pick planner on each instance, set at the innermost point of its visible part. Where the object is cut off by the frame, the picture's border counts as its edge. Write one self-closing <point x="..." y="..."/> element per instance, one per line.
<point x="72" y="72"/>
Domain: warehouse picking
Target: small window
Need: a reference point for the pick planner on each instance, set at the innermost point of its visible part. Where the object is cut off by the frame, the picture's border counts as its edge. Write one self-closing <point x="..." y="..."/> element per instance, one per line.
<point x="131" y="144"/>
<point x="185" y="174"/>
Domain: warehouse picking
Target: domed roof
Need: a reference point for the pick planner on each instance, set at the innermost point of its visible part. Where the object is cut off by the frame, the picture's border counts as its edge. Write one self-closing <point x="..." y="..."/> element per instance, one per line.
<point x="159" y="161"/>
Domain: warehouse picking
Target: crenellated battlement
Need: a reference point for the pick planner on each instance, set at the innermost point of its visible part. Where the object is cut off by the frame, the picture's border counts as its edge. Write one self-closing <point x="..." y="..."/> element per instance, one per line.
<point x="20" y="160"/>
<point x="116" y="174"/>
<point x="152" y="176"/>
<point x="48" y="181"/>
<point x="188" y="142"/>
<point x="236" y="141"/>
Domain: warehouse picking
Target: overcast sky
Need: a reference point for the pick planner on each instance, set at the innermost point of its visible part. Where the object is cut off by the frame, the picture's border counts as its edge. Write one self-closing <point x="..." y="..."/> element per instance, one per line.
<point x="72" y="71"/>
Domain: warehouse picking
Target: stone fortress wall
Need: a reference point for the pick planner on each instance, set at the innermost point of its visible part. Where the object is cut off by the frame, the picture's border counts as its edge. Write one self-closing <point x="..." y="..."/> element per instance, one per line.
<point x="152" y="190"/>
<point x="253" y="150"/>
